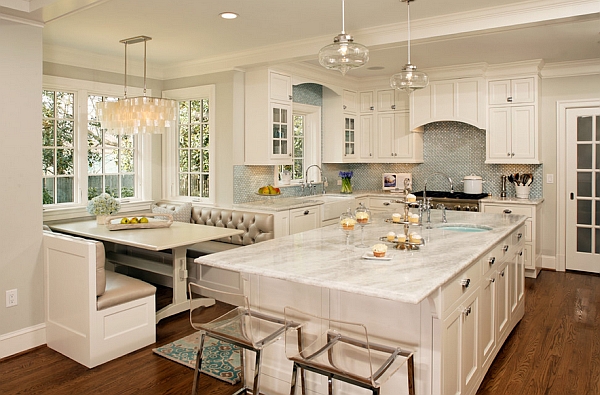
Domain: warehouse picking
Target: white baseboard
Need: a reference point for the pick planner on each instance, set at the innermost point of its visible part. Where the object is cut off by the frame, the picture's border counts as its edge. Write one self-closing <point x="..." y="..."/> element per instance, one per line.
<point x="22" y="340"/>
<point x="549" y="262"/>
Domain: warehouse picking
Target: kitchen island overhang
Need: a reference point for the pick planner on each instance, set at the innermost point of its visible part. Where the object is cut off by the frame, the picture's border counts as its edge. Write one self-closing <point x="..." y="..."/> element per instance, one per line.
<point x="416" y="300"/>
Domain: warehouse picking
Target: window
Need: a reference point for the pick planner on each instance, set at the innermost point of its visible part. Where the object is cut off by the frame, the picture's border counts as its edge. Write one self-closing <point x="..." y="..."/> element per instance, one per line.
<point x="194" y="148"/>
<point x="111" y="158"/>
<point x="306" y="121"/>
<point x="190" y="152"/>
<point x="58" y="147"/>
<point x="79" y="160"/>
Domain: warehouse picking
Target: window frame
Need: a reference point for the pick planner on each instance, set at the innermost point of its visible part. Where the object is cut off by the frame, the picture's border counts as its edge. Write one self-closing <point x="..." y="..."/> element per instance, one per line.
<point x="143" y="160"/>
<point x="170" y="179"/>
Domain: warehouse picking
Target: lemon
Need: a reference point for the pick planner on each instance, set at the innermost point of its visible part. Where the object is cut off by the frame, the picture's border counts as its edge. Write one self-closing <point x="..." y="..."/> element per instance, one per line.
<point x="124" y="220"/>
<point x="143" y="220"/>
<point x="133" y="220"/>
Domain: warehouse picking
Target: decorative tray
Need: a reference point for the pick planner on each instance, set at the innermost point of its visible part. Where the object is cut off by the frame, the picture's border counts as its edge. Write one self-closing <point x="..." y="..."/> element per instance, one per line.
<point x="159" y="220"/>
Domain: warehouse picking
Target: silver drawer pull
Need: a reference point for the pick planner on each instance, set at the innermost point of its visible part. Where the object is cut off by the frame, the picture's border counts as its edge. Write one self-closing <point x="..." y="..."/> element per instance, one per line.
<point x="507" y="211"/>
<point x="505" y="248"/>
<point x="467" y="311"/>
<point x="306" y="212"/>
<point x="465" y="282"/>
<point x="492" y="260"/>
<point x="519" y="236"/>
<point x="502" y="273"/>
<point x="386" y="203"/>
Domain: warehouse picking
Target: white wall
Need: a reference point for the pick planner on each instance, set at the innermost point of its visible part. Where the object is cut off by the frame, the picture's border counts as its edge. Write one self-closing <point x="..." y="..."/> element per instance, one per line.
<point x="20" y="180"/>
<point x="554" y="90"/>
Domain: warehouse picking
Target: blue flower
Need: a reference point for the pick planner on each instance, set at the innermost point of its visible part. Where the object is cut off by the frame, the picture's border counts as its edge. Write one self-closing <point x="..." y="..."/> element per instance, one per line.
<point x="346" y="174"/>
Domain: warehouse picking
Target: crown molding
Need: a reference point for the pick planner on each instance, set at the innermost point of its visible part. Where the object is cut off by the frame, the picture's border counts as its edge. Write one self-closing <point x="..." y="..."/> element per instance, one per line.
<point x="571" y="69"/>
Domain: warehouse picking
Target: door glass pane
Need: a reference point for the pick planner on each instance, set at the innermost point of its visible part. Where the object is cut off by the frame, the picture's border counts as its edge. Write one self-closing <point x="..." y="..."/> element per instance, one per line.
<point x="584" y="128"/>
<point x="597" y="241"/>
<point x="584" y="212"/>
<point x="584" y="184"/>
<point x="276" y="117"/>
<point x="598" y="184"/>
<point x="584" y="156"/>
<point x="597" y="156"/>
<point x="597" y="212"/>
<point x="584" y="240"/>
<point x="597" y="128"/>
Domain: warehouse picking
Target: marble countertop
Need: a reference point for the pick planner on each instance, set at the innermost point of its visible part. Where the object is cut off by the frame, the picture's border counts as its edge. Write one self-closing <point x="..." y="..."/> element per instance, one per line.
<point x="320" y="257"/>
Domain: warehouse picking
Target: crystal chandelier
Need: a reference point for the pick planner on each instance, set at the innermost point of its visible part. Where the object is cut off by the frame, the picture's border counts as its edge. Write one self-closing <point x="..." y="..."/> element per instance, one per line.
<point x="137" y="114"/>
<point x="409" y="79"/>
<point x="344" y="54"/>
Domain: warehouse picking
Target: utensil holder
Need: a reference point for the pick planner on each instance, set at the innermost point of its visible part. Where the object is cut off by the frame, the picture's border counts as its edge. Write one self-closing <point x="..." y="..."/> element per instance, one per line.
<point x="522" y="191"/>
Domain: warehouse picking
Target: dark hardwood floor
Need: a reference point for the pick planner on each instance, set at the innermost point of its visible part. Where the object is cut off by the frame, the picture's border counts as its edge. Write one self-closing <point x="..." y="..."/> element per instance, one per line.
<point x="555" y="350"/>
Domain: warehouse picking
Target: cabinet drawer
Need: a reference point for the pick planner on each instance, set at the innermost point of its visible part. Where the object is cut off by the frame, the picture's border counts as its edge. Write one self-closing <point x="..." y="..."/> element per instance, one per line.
<point x="508" y="209"/>
<point x="460" y="285"/>
<point x="383" y="204"/>
<point x="520" y="234"/>
<point x="492" y="258"/>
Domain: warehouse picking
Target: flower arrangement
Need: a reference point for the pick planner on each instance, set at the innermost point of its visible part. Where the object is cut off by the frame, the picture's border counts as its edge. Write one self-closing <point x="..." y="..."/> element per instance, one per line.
<point x="346" y="181"/>
<point x="103" y="204"/>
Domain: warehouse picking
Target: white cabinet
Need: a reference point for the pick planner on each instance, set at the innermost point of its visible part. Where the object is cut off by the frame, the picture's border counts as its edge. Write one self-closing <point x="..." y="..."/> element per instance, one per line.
<point x="512" y="131"/>
<point x="513" y="91"/>
<point x="395" y="141"/>
<point x="532" y="249"/>
<point x="391" y="100"/>
<point x="305" y="218"/>
<point x="340" y="127"/>
<point x="268" y="118"/>
<point x="367" y="102"/>
<point x="367" y="132"/>
<point x="462" y="100"/>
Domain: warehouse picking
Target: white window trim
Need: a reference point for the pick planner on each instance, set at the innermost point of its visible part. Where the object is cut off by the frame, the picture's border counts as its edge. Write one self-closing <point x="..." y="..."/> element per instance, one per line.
<point x="82" y="89"/>
<point x="170" y="181"/>
<point x="312" y="139"/>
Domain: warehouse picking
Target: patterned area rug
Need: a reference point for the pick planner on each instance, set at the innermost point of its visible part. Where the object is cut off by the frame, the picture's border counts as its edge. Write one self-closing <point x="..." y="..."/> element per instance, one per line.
<point x="221" y="360"/>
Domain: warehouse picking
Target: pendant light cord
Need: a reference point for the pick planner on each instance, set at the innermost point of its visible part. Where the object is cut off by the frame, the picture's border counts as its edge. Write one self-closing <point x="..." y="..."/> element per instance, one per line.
<point x="343" y="19"/>
<point x="408" y="15"/>
<point x="145" y="42"/>
<point x="125" y="84"/>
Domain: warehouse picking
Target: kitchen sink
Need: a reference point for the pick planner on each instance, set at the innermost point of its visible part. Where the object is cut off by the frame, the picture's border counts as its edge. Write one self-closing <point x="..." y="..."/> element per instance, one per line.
<point x="465" y="227"/>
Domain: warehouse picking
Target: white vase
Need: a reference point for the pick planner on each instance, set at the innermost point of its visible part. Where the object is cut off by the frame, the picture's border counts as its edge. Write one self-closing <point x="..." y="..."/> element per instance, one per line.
<point x="101" y="219"/>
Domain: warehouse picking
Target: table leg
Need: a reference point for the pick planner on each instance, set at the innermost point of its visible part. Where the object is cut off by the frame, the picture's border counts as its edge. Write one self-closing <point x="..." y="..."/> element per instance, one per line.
<point x="180" y="299"/>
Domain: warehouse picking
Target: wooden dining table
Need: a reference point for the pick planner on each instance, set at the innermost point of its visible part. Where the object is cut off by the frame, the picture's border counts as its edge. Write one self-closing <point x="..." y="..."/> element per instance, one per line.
<point x="177" y="238"/>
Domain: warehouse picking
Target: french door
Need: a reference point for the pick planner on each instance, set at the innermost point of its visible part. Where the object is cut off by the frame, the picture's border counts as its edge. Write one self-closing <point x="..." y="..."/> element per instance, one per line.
<point x="583" y="189"/>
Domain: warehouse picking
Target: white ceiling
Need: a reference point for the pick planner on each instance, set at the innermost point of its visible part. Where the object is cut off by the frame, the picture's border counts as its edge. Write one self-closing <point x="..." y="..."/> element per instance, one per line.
<point x="189" y="37"/>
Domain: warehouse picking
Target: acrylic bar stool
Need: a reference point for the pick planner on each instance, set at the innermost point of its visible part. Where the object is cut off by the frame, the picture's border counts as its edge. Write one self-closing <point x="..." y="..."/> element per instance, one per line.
<point x="241" y="326"/>
<point x="341" y="351"/>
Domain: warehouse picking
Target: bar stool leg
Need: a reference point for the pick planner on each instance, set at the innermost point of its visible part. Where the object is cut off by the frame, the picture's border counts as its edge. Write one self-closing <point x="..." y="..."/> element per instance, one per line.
<point x="294" y="377"/>
<point x="330" y="384"/>
<point x="198" y="364"/>
<point x="256" y="372"/>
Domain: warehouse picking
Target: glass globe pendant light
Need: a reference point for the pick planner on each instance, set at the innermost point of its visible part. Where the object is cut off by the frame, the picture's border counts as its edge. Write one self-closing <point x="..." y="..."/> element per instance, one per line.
<point x="409" y="79"/>
<point x="344" y="54"/>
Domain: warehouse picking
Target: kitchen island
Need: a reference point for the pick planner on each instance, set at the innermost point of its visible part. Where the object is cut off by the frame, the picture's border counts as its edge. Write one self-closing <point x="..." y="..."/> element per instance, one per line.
<point x="453" y="301"/>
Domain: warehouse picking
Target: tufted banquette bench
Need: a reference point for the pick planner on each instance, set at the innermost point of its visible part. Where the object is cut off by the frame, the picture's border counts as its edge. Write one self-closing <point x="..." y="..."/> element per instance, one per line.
<point x="93" y="315"/>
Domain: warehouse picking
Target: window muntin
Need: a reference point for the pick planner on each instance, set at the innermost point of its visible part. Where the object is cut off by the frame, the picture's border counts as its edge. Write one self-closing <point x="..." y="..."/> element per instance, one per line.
<point x="58" y="147"/>
<point x="194" y="148"/>
<point x="299" y="143"/>
<point x="111" y="158"/>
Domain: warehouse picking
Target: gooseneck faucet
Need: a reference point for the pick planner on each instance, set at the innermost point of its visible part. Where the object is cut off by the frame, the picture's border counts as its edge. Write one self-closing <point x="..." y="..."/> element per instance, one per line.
<point x="441" y="174"/>
<point x="323" y="179"/>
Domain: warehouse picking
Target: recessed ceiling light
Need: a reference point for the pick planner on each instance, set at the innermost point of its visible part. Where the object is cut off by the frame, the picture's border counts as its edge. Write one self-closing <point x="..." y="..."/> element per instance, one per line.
<point x="228" y="15"/>
<point x="375" y="68"/>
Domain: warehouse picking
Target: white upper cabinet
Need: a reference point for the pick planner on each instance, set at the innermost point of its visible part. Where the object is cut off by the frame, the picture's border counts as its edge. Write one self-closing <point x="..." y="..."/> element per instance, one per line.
<point x="268" y="118"/>
<point x="462" y="100"/>
<point x="395" y="142"/>
<point x="367" y="102"/>
<point x="340" y="127"/>
<point x="513" y="121"/>
<point x="367" y="131"/>
<point x="515" y="91"/>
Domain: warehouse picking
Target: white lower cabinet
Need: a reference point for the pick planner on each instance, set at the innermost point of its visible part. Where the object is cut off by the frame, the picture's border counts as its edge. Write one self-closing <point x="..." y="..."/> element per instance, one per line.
<point x="480" y="307"/>
<point x="305" y="218"/>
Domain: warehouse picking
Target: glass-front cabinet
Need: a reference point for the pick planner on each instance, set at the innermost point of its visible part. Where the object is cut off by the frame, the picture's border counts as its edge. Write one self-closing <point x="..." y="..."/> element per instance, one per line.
<point x="281" y="120"/>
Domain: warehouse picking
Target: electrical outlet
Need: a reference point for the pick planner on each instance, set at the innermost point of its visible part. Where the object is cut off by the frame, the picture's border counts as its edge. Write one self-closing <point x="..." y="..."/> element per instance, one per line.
<point x="11" y="297"/>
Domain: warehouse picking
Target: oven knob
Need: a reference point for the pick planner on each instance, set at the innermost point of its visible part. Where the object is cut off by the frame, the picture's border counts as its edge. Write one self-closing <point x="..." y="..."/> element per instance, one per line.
<point x="457" y="207"/>
<point x="474" y="208"/>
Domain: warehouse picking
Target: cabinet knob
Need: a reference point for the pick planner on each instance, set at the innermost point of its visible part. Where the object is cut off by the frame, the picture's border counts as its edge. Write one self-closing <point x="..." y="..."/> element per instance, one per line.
<point x="290" y="97"/>
<point x="371" y="108"/>
<point x="507" y="211"/>
<point x="386" y="203"/>
<point x="508" y="154"/>
<point x="492" y="260"/>
<point x="465" y="282"/>
<point x="509" y="99"/>
<point x="502" y="273"/>
<point x="492" y="280"/>
<point x="393" y="107"/>
<point x="521" y="253"/>
<point x="505" y="248"/>
<point x="512" y="154"/>
<point x="306" y="212"/>
<point x="344" y="106"/>
<point x="467" y="311"/>
<point x="519" y="236"/>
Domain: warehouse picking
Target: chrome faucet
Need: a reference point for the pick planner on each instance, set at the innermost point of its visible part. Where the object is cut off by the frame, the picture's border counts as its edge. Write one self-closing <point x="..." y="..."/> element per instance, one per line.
<point x="441" y="174"/>
<point x="323" y="179"/>
<point x="443" y="208"/>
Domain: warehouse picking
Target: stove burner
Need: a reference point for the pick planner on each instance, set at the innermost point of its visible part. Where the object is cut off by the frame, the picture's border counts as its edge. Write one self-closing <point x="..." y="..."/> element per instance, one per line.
<point x="455" y="195"/>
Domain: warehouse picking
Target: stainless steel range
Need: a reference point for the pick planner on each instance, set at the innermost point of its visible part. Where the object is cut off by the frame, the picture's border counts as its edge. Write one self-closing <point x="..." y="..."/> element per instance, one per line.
<point x="458" y="201"/>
